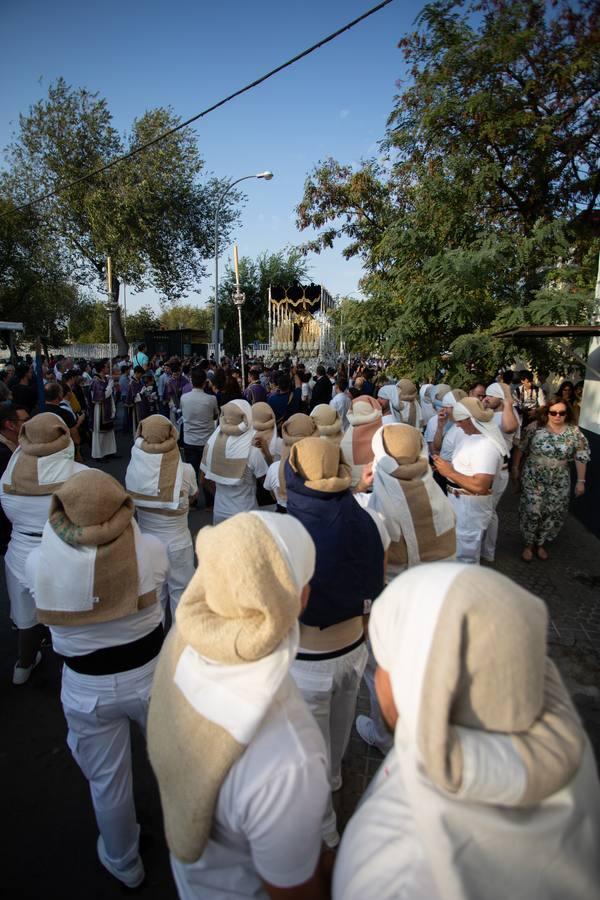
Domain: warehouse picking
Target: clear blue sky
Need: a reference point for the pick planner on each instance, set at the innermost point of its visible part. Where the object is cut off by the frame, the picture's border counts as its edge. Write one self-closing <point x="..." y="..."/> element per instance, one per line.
<point x="188" y="54"/>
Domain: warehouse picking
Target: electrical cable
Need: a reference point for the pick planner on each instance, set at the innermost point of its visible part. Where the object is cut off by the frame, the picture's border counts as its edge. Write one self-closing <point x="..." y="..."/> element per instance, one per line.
<point x="161" y="137"/>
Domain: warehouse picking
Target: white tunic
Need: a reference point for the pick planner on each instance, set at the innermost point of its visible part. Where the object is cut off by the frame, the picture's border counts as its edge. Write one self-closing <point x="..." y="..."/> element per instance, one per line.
<point x="269" y="812"/>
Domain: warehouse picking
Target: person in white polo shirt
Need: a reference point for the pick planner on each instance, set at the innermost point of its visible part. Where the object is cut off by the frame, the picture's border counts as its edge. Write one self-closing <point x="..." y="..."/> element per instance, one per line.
<point x="200" y="412"/>
<point x="498" y="398"/>
<point x="477" y="459"/>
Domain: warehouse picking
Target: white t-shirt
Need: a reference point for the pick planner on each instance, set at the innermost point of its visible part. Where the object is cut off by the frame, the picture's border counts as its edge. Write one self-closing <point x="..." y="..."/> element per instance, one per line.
<point x="231" y="499"/>
<point x="342" y="403"/>
<point x="508" y="438"/>
<point x="271" y="482"/>
<point x="475" y="454"/>
<point x="171" y="530"/>
<point x="28" y="515"/>
<point x="77" y="640"/>
<point x="200" y="412"/>
<point x="381" y="855"/>
<point x="306" y="392"/>
<point x="269" y="812"/>
<point x="431" y="428"/>
<point x="362" y="498"/>
<point x="449" y="442"/>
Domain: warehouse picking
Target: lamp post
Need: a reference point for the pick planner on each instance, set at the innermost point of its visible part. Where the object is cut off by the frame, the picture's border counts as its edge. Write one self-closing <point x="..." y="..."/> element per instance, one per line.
<point x="267" y="177"/>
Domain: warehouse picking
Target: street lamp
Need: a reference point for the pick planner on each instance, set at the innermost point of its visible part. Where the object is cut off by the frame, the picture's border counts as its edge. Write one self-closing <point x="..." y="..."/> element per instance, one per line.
<point x="267" y="177"/>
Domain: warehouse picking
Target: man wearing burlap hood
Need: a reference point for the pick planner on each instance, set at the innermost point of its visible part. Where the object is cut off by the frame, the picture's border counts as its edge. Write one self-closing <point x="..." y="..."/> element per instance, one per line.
<point x="96" y="578"/>
<point x="162" y="487"/>
<point x="239" y="760"/>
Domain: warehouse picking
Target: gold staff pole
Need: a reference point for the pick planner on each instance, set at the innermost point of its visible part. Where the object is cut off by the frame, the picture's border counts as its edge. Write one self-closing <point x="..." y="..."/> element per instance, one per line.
<point x="110" y="307"/>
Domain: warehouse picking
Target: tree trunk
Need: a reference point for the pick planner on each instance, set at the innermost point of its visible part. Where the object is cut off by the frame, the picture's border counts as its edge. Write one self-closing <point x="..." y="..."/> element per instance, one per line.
<point x="117" y="326"/>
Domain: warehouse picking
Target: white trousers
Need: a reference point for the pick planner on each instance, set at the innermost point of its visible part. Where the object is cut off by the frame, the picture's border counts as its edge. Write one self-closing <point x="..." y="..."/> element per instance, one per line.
<point x="381" y="732"/>
<point x="330" y="688"/>
<point x="22" y="605"/>
<point x="181" y="569"/>
<point x="98" y="710"/>
<point x="473" y="516"/>
<point x="488" y="547"/>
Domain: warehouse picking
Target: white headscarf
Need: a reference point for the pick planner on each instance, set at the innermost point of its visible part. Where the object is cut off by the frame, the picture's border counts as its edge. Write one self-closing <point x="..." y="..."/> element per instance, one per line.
<point x="295" y="543"/>
<point x="495" y="390"/>
<point x="489" y="429"/>
<point x="426" y="406"/>
<point x="524" y="818"/>
<point x="237" y="446"/>
<point x="389" y="392"/>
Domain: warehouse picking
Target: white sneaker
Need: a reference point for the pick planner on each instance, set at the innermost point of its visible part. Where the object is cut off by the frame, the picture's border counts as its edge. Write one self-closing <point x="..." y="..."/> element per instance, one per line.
<point x="366" y="730"/>
<point x="21" y="673"/>
<point x="131" y="877"/>
<point x="336" y="784"/>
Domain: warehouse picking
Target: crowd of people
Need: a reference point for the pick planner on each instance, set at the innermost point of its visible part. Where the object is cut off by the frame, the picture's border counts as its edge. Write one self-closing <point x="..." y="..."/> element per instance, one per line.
<point x="351" y="515"/>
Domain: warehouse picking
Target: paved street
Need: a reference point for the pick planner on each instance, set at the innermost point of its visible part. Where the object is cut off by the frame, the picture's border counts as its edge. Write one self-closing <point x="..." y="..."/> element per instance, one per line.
<point x="50" y="833"/>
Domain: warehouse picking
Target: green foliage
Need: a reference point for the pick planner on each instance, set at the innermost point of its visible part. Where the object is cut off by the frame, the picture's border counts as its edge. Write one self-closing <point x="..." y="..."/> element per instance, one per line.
<point x="151" y="215"/>
<point x="281" y="268"/>
<point x="184" y="315"/>
<point x="33" y="287"/>
<point x="479" y="217"/>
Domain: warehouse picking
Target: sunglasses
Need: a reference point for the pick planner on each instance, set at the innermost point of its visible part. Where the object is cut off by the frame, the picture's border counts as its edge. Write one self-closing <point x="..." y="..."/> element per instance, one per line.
<point x="555" y="412"/>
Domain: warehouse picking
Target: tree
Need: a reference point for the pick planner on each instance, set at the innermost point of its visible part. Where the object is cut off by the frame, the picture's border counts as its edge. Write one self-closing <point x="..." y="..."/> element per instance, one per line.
<point x="183" y="315"/>
<point x="33" y="288"/>
<point x="151" y="214"/>
<point x="282" y="268"/>
<point x="480" y="216"/>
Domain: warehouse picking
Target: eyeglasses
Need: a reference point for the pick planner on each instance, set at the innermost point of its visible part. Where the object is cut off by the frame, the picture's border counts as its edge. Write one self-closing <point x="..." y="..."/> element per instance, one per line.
<point x="556" y="412"/>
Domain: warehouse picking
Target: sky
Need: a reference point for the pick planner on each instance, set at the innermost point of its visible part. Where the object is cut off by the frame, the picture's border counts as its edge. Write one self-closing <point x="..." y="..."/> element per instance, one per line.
<point x="187" y="55"/>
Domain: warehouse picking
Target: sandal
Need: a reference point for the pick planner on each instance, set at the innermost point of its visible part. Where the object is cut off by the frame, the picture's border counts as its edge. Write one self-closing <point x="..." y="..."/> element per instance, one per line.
<point x="527" y="554"/>
<point x="542" y="553"/>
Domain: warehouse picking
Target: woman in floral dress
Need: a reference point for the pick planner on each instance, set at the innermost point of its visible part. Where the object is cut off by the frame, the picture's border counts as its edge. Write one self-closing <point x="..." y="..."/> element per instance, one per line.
<point x="548" y="446"/>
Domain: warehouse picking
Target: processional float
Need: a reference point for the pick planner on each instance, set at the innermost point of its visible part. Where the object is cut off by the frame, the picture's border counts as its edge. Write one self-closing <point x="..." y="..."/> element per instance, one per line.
<point x="299" y="323"/>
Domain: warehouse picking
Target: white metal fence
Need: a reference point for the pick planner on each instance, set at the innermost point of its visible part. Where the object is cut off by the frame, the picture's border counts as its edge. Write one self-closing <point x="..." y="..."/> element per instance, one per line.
<point x="87" y="351"/>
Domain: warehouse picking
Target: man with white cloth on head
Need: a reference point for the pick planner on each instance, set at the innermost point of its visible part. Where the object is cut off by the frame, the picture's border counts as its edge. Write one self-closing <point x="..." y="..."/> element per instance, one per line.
<point x="446" y="433"/>
<point x="240" y="763"/>
<point x="498" y="398"/>
<point x="427" y="410"/>
<point x="95" y="578"/>
<point x="420" y="522"/>
<point x="491" y="789"/>
<point x="293" y="430"/>
<point x="43" y="461"/>
<point x="477" y="460"/>
<point x="162" y="487"/>
<point x="233" y="463"/>
<point x="404" y="406"/>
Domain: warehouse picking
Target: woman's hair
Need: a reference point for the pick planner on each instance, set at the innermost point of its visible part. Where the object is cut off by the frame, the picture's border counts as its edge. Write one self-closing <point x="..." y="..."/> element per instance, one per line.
<point x="543" y="413"/>
<point x="563" y="386"/>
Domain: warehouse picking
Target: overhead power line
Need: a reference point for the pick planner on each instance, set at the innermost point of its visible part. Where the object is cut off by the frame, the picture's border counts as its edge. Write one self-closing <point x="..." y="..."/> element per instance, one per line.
<point x="64" y="186"/>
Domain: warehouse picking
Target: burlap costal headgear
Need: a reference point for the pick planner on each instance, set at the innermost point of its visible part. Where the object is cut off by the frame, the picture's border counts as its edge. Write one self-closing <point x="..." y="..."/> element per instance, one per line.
<point x="489" y="671"/>
<point x="328" y="422"/>
<point x="92" y="509"/>
<point x="230" y="614"/>
<point x="42" y="436"/>
<point x="296" y="428"/>
<point x="407" y="393"/>
<point x="321" y="465"/>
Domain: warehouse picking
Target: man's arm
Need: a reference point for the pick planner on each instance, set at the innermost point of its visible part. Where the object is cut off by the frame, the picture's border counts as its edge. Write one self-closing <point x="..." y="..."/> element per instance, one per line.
<point x="316" y="888"/>
<point x="510" y="423"/>
<point x="480" y="483"/>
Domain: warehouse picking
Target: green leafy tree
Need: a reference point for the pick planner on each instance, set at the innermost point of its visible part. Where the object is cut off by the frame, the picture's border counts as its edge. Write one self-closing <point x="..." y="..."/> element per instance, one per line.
<point x="33" y="287"/>
<point x="152" y="215"/>
<point x="480" y="215"/>
<point x="281" y="268"/>
<point x="185" y="315"/>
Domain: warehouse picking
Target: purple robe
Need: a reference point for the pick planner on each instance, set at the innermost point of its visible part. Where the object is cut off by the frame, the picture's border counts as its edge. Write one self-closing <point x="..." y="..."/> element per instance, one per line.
<point x="98" y="396"/>
<point x="174" y="388"/>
